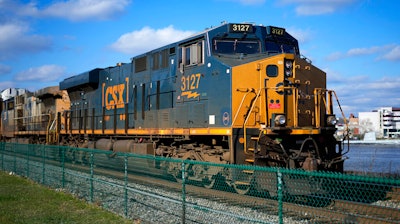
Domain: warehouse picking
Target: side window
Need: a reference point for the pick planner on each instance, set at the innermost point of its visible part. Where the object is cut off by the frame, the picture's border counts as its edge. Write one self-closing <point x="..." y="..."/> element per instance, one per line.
<point x="187" y="55"/>
<point x="193" y="53"/>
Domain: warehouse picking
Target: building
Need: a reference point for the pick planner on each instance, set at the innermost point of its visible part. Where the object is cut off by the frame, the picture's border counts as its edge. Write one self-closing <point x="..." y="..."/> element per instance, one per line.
<point x="354" y="127"/>
<point x="384" y="122"/>
<point x="390" y="118"/>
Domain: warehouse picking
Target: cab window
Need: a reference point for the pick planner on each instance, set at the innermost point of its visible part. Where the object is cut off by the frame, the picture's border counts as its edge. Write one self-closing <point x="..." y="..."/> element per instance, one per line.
<point x="192" y="54"/>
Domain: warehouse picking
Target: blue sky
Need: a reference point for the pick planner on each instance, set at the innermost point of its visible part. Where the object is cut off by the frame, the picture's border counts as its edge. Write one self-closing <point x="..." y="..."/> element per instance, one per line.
<point x="357" y="42"/>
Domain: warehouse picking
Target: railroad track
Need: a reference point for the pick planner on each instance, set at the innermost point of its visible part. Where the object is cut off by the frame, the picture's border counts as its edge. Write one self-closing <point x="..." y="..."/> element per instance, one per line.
<point x="332" y="209"/>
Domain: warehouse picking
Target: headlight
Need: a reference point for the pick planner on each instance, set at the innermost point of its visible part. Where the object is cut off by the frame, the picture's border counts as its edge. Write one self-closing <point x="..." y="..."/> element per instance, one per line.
<point x="331" y="120"/>
<point x="288" y="68"/>
<point x="280" y="120"/>
<point x="289" y="64"/>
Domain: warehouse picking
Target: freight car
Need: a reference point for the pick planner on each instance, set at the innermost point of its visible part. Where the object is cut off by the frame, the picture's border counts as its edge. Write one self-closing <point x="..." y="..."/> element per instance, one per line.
<point x="238" y="93"/>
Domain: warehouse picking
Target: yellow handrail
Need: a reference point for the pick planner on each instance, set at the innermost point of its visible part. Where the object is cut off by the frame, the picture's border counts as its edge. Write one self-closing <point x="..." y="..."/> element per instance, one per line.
<point x="259" y="91"/>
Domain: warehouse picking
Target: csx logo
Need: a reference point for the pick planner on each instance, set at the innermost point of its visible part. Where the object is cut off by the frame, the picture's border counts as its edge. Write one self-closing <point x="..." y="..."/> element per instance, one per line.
<point x="114" y="96"/>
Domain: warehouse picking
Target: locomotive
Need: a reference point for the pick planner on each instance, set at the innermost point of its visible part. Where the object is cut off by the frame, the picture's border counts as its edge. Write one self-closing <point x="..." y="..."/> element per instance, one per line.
<point x="237" y="93"/>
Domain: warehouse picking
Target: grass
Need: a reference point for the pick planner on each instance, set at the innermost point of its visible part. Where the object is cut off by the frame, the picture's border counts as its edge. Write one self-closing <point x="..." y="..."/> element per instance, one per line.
<point x="23" y="201"/>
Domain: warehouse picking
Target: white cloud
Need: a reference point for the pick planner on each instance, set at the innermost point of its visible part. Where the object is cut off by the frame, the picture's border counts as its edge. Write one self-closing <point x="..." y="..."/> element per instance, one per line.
<point x="302" y="36"/>
<point x="147" y="38"/>
<point x="393" y="54"/>
<point x="362" y="94"/>
<point x="45" y="73"/>
<point x="74" y="10"/>
<point x="15" y="39"/>
<point x="77" y="10"/>
<point x="363" y="51"/>
<point x="317" y="7"/>
<point x="386" y="52"/>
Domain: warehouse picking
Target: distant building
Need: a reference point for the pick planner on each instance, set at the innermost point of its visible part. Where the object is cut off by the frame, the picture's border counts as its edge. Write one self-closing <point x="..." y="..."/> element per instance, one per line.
<point x="390" y="118"/>
<point x="384" y="122"/>
<point x="354" y="127"/>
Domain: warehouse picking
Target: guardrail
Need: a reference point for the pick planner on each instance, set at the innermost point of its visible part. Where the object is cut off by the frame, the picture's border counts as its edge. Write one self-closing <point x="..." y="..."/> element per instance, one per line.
<point x="157" y="189"/>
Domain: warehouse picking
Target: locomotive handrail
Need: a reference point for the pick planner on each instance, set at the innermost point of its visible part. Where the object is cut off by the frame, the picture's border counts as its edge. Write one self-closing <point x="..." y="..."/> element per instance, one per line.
<point x="294" y="95"/>
<point x="35" y="119"/>
<point x="329" y="106"/>
<point x="247" y="118"/>
<point x="17" y="118"/>
<point x="345" y="122"/>
<point x="48" y="130"/>
<point x="247" y="91"/>
<point x="52" y="126"/>
<point x="327" y="103"/>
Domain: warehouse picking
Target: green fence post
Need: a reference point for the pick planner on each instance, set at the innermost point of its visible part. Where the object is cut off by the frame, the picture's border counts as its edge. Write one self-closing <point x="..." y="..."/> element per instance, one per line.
<point x="27" y="160"/>
<point x="91" y="177"/>
<point x="43" y="163"/>
<point x="126" y="186"/>
<point x="15" y="160"/>
<point x="63" y="166"/>
<point x="2" y="155"/>
<point x="280" y="196"/>
<point x="183" y="193"/>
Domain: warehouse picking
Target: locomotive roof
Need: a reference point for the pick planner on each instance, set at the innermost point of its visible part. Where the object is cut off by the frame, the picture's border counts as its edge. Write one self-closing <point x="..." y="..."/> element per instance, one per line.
<point x="12" y="92"/>
<point x="48" y="91"/>
<point x="224" y="28"/>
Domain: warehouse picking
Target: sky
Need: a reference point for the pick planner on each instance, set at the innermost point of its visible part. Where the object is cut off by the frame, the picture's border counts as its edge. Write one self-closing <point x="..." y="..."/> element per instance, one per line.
<point x="356" y="42"/>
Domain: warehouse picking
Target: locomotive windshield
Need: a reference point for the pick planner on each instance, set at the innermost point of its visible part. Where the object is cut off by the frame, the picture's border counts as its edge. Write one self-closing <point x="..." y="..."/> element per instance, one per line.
<point x="279" y="41"/>
<point x="233" y="46"/>
<point x="276" y="47"/>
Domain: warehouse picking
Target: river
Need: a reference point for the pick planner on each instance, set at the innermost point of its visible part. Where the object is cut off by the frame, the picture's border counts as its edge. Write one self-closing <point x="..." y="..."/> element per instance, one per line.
<point x="377" y="158"/>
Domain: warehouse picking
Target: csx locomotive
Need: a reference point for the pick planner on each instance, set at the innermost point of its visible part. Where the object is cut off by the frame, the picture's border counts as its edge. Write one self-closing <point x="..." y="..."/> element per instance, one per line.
<point x="237" y="93"/>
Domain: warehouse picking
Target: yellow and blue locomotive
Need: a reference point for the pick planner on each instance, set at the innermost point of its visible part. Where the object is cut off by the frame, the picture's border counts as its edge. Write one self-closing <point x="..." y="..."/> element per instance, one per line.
<point x="238" y="93"/>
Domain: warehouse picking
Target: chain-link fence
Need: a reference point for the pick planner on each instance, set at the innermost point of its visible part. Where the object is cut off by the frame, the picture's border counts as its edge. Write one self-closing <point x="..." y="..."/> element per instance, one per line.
<point x="156" y="189"/>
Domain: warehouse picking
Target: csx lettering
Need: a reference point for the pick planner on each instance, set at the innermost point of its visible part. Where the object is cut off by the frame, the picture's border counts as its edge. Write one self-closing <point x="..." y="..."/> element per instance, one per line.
<point x="115" y="96"/>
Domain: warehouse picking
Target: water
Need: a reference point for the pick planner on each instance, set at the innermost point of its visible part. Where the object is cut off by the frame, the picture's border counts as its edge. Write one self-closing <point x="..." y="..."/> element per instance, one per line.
<point x="377" y="158"/>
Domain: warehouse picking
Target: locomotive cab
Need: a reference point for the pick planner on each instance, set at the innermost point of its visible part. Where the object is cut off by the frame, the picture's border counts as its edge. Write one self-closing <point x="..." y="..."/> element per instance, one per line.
<point x="283" y="113"/>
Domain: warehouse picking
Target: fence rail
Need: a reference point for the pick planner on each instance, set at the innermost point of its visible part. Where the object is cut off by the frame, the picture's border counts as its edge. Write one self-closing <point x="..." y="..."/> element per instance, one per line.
<point x="155" y="189"/>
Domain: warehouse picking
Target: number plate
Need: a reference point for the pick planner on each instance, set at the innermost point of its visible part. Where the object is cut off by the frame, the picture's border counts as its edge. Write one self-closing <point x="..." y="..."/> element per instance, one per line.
<point x="240" y="28"/>
<point x="276" y="31"/>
